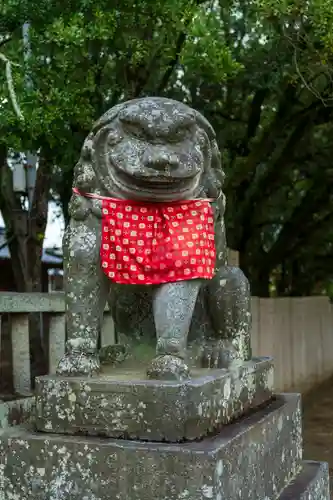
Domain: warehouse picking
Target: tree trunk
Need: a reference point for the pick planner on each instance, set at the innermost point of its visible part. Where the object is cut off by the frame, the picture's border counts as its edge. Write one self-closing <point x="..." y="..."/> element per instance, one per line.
<point x="259" y="280"/>
<point x="65" y="192"/>
<point x="38" y="221"/>
<point x="34" y="249"/>
<point x="25" y="235"/>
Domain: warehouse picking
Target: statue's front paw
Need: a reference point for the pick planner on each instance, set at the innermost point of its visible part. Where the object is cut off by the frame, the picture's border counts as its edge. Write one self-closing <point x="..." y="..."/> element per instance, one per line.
<point x="113" y="354"/>
<point x="167" y="367"/>
<point x="75" y="364"/>
<point x="219" y="354"/>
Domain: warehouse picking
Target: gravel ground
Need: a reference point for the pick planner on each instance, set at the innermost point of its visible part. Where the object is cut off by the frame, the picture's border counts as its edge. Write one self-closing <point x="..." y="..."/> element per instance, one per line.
<point x="318" y="425"/>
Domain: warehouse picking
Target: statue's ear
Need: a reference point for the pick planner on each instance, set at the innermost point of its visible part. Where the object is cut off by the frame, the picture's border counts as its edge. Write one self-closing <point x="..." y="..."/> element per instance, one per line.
<point x="84" y="175"/>
<point x="213" y="175"/>
<point x="216" y="163"/>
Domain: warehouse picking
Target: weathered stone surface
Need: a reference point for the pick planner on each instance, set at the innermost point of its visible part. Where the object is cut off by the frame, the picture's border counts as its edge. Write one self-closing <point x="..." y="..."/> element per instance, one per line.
<point x="154" y="410"/>
<point x="249" y="460"/>
<point x="151" y="149"/>
<point x="311" y="483"/>
<point x="13" y="302"/>
<point x="16" y="412"/>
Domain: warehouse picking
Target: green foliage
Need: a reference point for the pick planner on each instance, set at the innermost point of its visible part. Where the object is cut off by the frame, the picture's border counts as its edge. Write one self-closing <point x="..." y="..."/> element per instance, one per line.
<point x="88" y="56"/>
<point x="259" y="70"/>
<point x="207" y="49"/>
<point x="274" y="118"/>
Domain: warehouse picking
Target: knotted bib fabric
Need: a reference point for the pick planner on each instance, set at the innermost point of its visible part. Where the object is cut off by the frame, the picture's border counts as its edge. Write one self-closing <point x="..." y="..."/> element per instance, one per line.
<point x="152" y="243"/>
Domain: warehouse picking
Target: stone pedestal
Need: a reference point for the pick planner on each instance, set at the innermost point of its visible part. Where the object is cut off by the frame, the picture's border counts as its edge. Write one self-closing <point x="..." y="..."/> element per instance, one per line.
<point x="255" y="451"/>
<point x="123" y="405"/>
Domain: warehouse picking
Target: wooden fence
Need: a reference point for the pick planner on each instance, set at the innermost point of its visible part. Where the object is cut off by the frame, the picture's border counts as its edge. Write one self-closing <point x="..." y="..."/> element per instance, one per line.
<point x="297" y="332"/>
<point x="52" y="305"/>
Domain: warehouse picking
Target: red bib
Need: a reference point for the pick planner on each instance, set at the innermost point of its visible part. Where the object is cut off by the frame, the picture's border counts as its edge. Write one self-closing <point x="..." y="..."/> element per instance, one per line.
<point x="153" y="243"/>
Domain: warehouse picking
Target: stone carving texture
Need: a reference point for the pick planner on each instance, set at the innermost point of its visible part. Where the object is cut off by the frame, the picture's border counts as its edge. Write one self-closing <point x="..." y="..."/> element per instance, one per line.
<point x="152" y="149"/>
<point x="248" y="460"/>
<point x="152" y="410"/>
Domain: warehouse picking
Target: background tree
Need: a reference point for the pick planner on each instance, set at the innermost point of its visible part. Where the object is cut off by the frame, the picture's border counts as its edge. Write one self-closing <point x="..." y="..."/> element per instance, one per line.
<point x="274" y="119"/>
<point x="85" y="57"/>
<point x="259" y="70"/>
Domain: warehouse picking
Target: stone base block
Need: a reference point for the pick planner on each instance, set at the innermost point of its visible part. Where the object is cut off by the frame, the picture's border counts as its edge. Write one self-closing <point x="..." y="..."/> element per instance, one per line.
<point x="121" y="405"/>
<point x="311" y="483"/>
<point x="16" y="412"/>
<point x="250" y="459"/>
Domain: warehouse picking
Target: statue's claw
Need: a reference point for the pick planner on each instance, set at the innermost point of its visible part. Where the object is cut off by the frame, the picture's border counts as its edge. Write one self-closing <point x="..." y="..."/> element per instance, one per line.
<point x="168" y="367"/>
<point x="113" y="354"/>
<point x="219" y="354"/>
<point x="76" y="364"/>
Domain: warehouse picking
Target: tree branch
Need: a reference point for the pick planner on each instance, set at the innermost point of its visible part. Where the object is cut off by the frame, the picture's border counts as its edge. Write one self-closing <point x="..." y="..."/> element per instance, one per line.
<point x="38" y="218"/>
<point x="225" y="116"/>
<point x="312" y="202"/>
<point x="313" y="233"/>
<point x="179" y="46"/>
<point x="254" y="116"/>
<point x="256" y="192"/>
<point x="10" y="85"/>
<point x="5" y="40"/>
<point x="264" y="145"/>
<point x="173" y="63"/>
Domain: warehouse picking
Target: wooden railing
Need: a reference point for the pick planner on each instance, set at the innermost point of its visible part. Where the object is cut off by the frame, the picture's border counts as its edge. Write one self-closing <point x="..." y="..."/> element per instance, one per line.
<point x="297" y="332"/>
<point x="18" y="306"/>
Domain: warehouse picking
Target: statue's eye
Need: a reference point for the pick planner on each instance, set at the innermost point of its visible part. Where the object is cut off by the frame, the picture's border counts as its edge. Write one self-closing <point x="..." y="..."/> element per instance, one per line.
<point x="114" y="136"/>
<point x="87" y="150"/>
<point x="135" y="131"/>
<point x="180" y="134"/>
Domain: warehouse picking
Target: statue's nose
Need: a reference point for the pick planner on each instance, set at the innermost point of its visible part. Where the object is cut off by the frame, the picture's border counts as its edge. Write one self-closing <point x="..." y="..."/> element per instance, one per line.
<point x="160" y="160"/>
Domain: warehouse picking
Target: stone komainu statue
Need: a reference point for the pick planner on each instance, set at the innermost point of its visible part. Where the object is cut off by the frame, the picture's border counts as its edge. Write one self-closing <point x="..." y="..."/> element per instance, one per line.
<point x="151" y="150"/>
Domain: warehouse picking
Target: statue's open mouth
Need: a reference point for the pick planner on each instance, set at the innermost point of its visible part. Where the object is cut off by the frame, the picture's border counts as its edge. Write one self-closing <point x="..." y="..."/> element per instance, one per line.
<point x="151" y="185"/>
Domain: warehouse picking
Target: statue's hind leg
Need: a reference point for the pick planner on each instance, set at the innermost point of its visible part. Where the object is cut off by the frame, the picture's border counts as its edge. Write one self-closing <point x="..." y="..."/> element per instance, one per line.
<point x="229" y="308"/>
<point x="86" y="289"/>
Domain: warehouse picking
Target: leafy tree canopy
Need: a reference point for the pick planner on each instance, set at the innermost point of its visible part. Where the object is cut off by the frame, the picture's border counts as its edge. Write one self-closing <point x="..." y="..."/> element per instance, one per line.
<point x="260" y="71"/>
